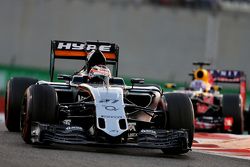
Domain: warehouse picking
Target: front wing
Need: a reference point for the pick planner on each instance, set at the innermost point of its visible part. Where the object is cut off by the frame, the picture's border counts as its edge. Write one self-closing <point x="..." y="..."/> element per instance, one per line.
<point x="147" y="138"/>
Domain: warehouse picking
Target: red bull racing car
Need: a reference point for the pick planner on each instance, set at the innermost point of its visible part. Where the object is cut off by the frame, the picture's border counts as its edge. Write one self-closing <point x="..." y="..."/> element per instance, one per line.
<point x="95" y="107"/>
<point x="215" y="111"/>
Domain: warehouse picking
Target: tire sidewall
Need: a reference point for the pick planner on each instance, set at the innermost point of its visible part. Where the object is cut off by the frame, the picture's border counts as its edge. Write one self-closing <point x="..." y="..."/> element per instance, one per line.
<point x="15" y="89"/>
<point x="232" y="107"/>
<point x="180" y="114"/>
<point x="36" y="110"/>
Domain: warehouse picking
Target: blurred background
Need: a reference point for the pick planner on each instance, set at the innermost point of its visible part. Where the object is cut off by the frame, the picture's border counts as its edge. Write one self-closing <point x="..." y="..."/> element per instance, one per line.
<point x="158" y="39"/>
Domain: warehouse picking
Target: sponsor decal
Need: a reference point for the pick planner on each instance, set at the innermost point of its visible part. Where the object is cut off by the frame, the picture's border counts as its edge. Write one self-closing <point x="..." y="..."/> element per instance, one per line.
<point x="82" y="47"/>
<point x="69" y="49"/>
<point x="148" y="131"/>
<point x="226" y="75"/>
<point x="111" y="108"/>
<point x="131" y="127"/>
<point x="108" y="101"/>
<point x="71" y="128"/>
<point x="114" y="131"/>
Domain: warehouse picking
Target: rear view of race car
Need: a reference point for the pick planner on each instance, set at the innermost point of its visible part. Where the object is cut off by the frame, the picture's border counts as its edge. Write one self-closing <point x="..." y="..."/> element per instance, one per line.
<point x="95" y="107"/>
<point x="215" y="111"/>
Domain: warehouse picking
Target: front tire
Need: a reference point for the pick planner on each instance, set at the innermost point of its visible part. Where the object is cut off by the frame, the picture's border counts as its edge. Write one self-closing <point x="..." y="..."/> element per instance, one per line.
<point x="180" y="115"/>
<point x="13" y="99"/>
<point x="39" y="105"/>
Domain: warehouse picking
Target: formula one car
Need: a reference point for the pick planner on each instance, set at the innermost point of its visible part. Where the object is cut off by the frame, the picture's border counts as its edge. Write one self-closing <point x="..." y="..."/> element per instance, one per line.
<point x="215" y="111"/>
<point x="92" y="107"/>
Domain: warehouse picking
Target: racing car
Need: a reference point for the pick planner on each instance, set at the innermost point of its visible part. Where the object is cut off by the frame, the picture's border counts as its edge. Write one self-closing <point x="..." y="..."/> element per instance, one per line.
<point x="95" y="107"/>
<point x="215" y="111"/>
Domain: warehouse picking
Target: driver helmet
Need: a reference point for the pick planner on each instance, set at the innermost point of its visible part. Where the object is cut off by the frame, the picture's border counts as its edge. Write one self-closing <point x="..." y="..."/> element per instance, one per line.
<point x="99" y="73"/>
<point x="95" y="57"/>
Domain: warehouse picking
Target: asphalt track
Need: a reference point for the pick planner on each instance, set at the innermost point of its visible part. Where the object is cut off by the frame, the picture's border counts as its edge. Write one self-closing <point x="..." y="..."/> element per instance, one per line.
<point x="14" y="152"/>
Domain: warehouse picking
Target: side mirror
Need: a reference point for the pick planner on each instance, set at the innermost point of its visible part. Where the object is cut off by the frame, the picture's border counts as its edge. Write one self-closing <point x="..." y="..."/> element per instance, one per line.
<point x="116" y="81"/>
<point x="170" y="85"/>
<point x="137" y="81"/>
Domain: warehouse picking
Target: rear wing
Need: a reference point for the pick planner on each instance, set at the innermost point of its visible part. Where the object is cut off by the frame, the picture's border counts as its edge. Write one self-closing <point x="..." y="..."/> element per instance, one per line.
<point x="79" y="51"/>
<point x="231" y="76"/>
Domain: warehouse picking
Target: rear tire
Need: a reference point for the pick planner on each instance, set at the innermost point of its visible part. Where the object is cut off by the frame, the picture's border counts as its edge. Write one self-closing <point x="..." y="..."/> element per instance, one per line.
<point x="232" y="107"/>
<point x="13" y="99"/>
<point x="180" y="115"/>
<point x="39" y="105"/>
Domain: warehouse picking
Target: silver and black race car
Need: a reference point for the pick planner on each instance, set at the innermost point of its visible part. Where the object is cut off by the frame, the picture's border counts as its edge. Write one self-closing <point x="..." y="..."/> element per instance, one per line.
<point x="92" y="107"/>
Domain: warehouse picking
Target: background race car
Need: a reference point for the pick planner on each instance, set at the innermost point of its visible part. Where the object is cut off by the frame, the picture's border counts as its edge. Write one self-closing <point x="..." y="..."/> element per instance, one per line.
<point x="215" y="111"/>
<point x="92" y="107"/>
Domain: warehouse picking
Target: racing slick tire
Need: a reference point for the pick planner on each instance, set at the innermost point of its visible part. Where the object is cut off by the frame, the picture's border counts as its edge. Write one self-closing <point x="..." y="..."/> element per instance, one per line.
<point x="180" y="115"/>
<point x="39" y="105"/>
<point x="232" y="107"/>
<point x="13" y="99"/>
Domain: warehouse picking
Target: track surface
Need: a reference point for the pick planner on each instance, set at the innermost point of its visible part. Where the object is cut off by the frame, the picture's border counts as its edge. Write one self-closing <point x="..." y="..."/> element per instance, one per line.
<point x="14" y="152"/>
<point x="223" y="144"/>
